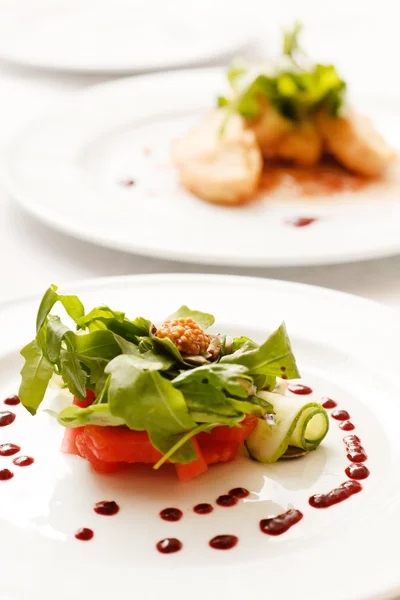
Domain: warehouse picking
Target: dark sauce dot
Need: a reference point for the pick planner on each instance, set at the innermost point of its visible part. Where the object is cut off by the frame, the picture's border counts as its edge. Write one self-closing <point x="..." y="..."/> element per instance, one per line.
<point x="106" y="508"/>
<point x="84" y="534"/>
<point x="12" y="401"/>
<point x="328" y="403"/>
<point x="281" y="523"/>
<point x="356" y="454"/>
<point x="171" y="514"/>
<point x="239" y="492"/>
<point x="203" y="508"/>
<point x="9" y="449"/>
<point x="351" y="440"/>
<point x="301" y="221"/>
<point x="340" y="415"/>
<point x="169" y="545"/>
<point x="6" y="418"/>
<point x="127" y="182"/>
<point x="357" y="471"/>
<point x="283" y="376"/>
<point x="23" y="461"/>
<point x="283" y="369"/>
<point x="6" y="474"/>
<point x="346" y="426"/>
<point x="298" y="388"/>
<point x="223" y="542"/>
<point x="226" y="500"/>
<point x="347" y="489"/>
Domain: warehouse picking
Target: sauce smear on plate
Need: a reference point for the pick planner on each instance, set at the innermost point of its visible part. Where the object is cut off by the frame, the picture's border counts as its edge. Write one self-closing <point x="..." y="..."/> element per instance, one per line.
<point x="281" y="523"/>
<point x="223" y="542"/>
<point x="347" y="489"/>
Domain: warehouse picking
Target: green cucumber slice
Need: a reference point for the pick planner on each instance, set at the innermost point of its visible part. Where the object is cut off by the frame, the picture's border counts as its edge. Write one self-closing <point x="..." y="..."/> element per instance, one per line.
<point x="301" y="425"/>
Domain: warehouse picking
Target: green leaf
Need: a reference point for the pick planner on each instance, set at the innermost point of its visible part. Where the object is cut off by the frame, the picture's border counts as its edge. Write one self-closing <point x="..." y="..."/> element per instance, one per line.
<point x="209" y="405"/>
<point x="273" y="357"/>
<point x="100" y="343"/>
<point x="222" y="102"/>
<point x="176" y="447"/>
<point x="291" y="39"/>
<point x="73" y="374"/>
<point x="96" y="414"/>
<point x="234" y="73"/>
<point x="253" y="405"/>
<point x="55" y="332"/>
<point x="146" y="361"/>
<point x="72" y="305"/>
<point x="205" y="320"/>
<point x="221" y="376"/>
<point x="144" y="399"/>
<point x="36" y="374"/>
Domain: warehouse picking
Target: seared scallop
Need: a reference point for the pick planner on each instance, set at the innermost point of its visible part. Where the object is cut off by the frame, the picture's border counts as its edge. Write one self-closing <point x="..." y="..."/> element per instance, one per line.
<point x="302" y="145"/>
<point x="270" y="129"/>
<point x="220" y="166"/>
<point x="354" y="142"/>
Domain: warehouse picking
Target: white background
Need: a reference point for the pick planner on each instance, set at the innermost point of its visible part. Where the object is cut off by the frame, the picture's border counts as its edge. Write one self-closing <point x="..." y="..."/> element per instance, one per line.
<point x="361" y="37"/>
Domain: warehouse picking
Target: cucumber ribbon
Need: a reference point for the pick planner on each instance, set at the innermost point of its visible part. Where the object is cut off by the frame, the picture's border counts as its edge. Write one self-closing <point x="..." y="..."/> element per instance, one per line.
<point x="295" y="424"/>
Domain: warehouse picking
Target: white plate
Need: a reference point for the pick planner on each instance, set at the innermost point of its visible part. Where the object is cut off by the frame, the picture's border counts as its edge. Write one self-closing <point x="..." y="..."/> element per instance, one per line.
<point x="347" y="349"/>
<point x="68" y="169"/>
<point x="119" y="35"/>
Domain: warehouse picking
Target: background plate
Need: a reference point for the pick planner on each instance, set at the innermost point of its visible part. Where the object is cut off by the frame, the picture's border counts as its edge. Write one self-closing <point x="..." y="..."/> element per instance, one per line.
<point x="99" y="169"/>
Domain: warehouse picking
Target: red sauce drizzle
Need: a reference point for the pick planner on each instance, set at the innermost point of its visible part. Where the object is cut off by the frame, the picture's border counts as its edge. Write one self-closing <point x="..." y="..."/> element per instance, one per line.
<point x="298" y="388"/>
<point x="356" y="454"/>
<point x="9" y="449"/>
<point x="23" y="461"/>
<point x="357" y="471"/>
<point x="239" y="492"/>
<point x="281" y="523"/>
<point x="301" y="221"/>
<point x="12" y="401"/>
<point x="351" y="440"/>
<point x="340" y="415"/>
<point x="127" y="182"/>
<point x="346" y="426"/>
<point x="347" y="489"/>
<point x="6" y="418"/>
<point x="171" y="514"/>
<point x="226" y="500"/>
<point x="106" y="508"/>
<point x="329" y="403"/>
<point x="223" y="542"/>
<point x="6" y="474"/>
<point x="203" y="508"/>
<point x="169" y="545"/>
<point x="84" y="534"/>
<point x="283" y="369"/>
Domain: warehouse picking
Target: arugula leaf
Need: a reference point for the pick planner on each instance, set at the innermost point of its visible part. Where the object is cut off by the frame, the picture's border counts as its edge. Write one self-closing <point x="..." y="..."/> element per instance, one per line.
<point x="100" y="343"/>
<point x="148" y="360"/>
<point x="253" y="405"/>
<point x="72" y="305"/>
<point x="73" y="374"/>
<point x="180" y="452"/>
<point x="209" y="405"/>
<point x="269" y="358"/>
<point x="205" y="320"/>
<point x="96" y="414"/>
<point x="35" y="376"/>
<point x="55" y="332"/>
<point x="176" y="447"/>
<point x="144" y="399"/>
<point x="220" y="376"/>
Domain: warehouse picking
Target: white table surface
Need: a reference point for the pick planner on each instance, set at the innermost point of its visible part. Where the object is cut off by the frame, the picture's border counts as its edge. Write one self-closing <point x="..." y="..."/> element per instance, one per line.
<point x="32" y="256"/>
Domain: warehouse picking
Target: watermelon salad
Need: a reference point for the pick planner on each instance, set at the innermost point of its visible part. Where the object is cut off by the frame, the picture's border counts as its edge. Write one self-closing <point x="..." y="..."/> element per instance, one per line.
<point x="171" y="392"/>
